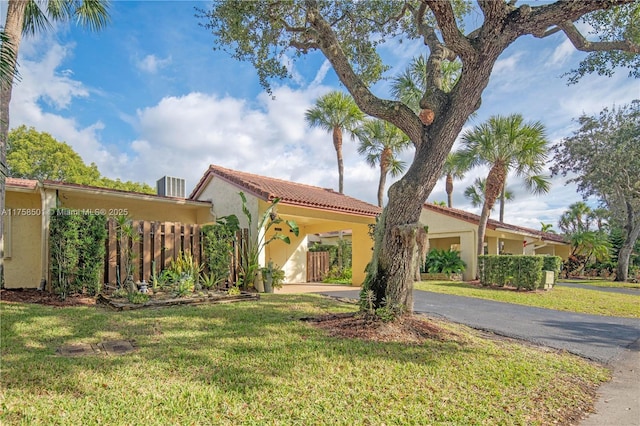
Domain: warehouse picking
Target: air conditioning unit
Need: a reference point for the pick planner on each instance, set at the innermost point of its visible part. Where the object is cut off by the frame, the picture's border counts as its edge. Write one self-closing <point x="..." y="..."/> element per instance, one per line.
<point x="168" y="186"/>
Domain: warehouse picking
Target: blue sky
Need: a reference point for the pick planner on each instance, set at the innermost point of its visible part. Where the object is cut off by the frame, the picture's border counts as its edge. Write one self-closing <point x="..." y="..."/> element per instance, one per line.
<point x="149" y="97"/>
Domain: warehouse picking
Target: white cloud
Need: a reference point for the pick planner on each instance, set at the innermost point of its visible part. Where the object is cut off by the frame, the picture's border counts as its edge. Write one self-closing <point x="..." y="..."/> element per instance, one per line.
<point x="507" y="65"/>
<point x="151" y="63"/>
<point x="562" y="53"/>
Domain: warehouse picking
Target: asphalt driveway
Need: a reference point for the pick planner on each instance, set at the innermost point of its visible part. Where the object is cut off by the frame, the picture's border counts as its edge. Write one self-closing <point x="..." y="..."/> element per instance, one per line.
<point x="595" y="337"/>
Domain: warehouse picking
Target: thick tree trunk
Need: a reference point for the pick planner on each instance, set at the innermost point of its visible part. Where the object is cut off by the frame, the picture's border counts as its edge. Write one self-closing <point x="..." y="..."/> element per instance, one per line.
<point x="337" y="143"/>
<point x="632" y="228"/>
<point x="449" y="188"/>
<point x="13" y="30"/>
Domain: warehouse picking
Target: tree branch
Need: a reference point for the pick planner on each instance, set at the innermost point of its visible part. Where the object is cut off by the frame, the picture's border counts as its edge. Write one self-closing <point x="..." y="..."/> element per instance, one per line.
<point x="537" y="20"/>
<point x="453" y="38"/>
<point x="392" y="111"/>
<point x="584" y="45"/>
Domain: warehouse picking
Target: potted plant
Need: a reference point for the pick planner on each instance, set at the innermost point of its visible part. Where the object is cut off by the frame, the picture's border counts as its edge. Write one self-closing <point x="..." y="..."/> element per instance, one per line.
<point x="273" y="277"/>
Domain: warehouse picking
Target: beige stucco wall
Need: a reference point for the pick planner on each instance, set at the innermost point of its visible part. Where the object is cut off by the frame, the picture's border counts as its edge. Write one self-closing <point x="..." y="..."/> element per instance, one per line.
<point x="226" y="200"/>
<point x="443" y="229"/>
<point x="23" y="239"/>
<point x="136" y="207"/>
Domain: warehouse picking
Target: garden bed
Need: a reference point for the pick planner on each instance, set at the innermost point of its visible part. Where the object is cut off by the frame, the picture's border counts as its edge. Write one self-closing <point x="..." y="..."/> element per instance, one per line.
<point x="159" y="301"/>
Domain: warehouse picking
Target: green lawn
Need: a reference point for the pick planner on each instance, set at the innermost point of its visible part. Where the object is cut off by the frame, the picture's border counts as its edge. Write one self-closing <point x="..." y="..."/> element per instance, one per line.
<point x="561" y="298"/>
<point x="256" y="363"/>
<point x="602" y="283"/>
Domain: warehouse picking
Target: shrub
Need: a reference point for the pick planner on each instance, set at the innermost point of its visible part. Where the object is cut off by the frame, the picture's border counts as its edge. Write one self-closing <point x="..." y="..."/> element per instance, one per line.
<point x="444" y="262"/>
<point x="218" y="248"/>
<point x="521" y="271"/>
<point x="77" y="250"/>
<point x="552" y="263"/>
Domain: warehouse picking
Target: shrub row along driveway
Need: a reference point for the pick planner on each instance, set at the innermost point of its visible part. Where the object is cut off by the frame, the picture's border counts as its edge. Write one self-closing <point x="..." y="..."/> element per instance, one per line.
<point x="596" y="337"/>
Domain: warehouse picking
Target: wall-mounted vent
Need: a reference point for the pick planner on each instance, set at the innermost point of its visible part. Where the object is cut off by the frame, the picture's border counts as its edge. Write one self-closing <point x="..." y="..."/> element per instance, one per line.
<point x="170" y="187"/>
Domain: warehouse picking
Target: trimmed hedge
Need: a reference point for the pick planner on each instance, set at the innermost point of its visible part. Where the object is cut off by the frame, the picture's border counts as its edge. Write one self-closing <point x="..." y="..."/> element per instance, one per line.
<point x="552" y="263"/>
<point x="519" y="271"/>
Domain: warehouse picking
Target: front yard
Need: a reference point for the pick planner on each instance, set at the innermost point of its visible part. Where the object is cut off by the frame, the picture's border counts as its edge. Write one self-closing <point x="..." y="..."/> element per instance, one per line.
<point x="256" y="363"/>
<point x="578" y="300"/>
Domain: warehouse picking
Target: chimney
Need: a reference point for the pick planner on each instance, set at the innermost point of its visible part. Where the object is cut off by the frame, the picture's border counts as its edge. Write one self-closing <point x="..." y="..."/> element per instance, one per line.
<point x="168" y="186"/>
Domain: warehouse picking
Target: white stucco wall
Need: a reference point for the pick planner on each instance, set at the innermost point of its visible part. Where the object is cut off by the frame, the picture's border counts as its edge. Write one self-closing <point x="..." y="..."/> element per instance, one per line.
<point x="226" y="200"/>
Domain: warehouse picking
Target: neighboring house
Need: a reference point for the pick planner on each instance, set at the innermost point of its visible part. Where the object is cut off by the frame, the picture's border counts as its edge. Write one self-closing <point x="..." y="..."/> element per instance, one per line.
<point x="315" y="210"/>
<point x="457" y="229"/>
<point x="26" y="217"/>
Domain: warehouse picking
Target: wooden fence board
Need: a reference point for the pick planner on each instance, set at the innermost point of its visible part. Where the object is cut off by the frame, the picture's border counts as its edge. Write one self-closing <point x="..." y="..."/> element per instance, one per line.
<point x="317" y="266"/>
<point x="158" y="245"/>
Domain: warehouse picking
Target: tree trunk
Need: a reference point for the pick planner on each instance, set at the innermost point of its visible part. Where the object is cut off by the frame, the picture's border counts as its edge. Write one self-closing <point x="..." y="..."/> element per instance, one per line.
<point x="495" y="183"/>
<point x="381" y="184"/>
<point x="337" y="143"/>
<point x="502" y="204"/>
<point x="632" y="228"/>
<point x="449" y="188"/>
<point x="13" y="30"/>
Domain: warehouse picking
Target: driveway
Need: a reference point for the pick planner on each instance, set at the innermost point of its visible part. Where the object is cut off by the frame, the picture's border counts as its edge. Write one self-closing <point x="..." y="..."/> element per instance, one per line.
<point x="595" y="337"/>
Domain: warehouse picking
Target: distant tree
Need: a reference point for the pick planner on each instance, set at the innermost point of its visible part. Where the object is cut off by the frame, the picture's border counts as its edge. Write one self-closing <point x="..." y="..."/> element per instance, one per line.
<point x="30" y="17"/>
<point x="577" y="218"/>
<point x="37" y="155"/>
<point x="547" y="227"/>
<point x="381" y="142"/>
<point x="475" y="192"/>
<point x="505" y="144"/>
<point x="604" y="156"/>
<point x="336" y="112"/>
<point x="583" y="231"/>
<point x="351" y="35"/>
<point x="454" y="168"/>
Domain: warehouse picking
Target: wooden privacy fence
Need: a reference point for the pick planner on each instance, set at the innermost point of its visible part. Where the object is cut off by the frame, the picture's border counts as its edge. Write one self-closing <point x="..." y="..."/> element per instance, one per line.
<point x="317" y="266"/>
<point x="157" y="245"/>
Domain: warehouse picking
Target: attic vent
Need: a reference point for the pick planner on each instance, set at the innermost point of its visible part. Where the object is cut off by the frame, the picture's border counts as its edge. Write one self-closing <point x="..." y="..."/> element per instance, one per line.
<point x="170" y="187"/>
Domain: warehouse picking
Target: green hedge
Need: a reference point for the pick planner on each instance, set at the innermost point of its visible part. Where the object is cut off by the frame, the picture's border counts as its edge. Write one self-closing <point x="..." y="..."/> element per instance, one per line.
<point x="519" y="271"/>
<point x="77" y="250"/>
<point x="552" y="263"/>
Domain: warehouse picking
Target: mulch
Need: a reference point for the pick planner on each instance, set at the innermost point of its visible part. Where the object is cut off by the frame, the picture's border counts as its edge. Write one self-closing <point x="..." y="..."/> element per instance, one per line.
<point x="44" y="298"/>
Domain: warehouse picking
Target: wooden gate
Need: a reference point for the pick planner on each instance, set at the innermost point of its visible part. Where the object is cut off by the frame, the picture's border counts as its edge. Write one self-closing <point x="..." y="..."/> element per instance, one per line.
<point x="157" y="245"/>
<point x="317" y="266"/>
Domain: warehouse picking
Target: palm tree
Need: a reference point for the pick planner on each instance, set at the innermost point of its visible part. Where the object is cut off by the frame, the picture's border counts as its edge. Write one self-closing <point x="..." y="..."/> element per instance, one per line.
<point x="505" y="144"/>
<point x="547" y="228"/>
<point x="475" y="192"/>
<point x="577" y="218"/>
<point x="29" y="17"/>
<point x="454" y="168"/>
<point x="409" y="86"/>
<point x="381" y="141"/>
<point x="336" y="112"/>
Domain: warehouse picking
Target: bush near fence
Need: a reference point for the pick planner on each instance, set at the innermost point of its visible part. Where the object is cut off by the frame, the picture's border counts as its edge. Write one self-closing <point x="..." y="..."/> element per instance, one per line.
<point x="77" y="252"/>
<point x="522" y="272"/>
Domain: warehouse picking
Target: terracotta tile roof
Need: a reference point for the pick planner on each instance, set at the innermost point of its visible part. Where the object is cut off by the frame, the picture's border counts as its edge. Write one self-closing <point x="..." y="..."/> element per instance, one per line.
<point x="291" y="193"/>
<point x="21" y="183"/>
<point x="492" y="224"/>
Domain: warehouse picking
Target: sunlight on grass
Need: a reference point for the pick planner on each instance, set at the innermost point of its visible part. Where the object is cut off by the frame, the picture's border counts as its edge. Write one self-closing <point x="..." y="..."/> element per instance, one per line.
<point x="255" y="362"/>
<point x="560" y="298"/>
<point x="602" y="283"/>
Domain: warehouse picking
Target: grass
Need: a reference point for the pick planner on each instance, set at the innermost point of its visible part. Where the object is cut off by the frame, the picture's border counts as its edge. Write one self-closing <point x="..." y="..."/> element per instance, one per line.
<point x="602" y="283"/>
<point x="255" y="363"/>
<point x="560" y="298"/>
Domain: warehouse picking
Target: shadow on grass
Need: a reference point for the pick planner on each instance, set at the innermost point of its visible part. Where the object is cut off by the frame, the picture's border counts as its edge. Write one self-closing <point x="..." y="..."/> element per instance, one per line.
<point x="238" y="348"/>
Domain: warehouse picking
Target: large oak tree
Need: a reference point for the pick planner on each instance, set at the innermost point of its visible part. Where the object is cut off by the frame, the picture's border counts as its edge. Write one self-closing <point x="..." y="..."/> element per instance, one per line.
<point x="348" y="34"/>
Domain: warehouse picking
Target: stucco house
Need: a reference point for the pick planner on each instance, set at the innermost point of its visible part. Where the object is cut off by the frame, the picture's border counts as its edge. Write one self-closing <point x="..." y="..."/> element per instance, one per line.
<point x="456" y="229"/>
<point x="315" y="210"/>
<point x="26" y="216"/>
<point x="318" y="212"/>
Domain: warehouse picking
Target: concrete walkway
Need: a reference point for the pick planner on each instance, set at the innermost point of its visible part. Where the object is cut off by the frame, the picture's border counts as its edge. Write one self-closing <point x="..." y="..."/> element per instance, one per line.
<point x="610" y="340"/>
<point x="622" y="290"/>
